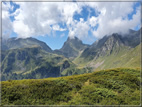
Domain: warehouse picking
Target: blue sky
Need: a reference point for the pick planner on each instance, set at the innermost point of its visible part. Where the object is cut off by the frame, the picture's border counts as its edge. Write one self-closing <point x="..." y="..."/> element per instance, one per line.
<point x="54" y="22"/>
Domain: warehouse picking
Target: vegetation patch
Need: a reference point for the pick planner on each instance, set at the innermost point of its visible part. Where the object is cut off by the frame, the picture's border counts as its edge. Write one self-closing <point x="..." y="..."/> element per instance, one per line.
<point x="119" y="86"/>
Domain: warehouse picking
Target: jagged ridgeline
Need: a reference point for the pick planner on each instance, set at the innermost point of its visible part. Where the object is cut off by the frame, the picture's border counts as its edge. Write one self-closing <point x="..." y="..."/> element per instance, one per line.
<point x="32" y="59"/>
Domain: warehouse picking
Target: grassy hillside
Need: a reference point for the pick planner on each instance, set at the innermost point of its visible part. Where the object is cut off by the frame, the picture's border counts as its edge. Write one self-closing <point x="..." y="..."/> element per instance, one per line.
<point x="119" y="86"/>
<point x="122" y="57"/>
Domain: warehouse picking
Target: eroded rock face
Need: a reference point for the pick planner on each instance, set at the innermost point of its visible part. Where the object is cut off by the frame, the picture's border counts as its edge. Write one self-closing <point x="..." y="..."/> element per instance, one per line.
<point x="113" y="42"/>
<point x="108" y="44"/>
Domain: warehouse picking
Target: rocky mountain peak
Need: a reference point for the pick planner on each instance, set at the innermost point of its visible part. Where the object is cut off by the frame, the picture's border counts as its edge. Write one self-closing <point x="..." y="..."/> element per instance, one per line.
<point x="71" y="47"/>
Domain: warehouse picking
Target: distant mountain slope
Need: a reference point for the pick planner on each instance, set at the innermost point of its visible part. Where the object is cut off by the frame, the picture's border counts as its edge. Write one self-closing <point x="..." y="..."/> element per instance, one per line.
<point x="14" y="43"/>
<point x="71" y="47"/>
<point x="32" y="63"/>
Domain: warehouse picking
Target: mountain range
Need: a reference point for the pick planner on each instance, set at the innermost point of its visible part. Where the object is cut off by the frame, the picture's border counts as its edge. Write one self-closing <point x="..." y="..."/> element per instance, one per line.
<point x="33" y="59"/>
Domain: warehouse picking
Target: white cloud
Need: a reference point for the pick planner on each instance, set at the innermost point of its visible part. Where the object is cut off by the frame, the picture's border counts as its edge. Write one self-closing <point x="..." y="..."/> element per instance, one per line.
<point x="93" y="21"/>
<point x="22" y="29"/>
<point x="38" y="17"/>
<point x="44" y="18"/>
<point x="6" y="22"/>
<point x="114" y="17"/>
<point x="29" y="21"/>
<point x="79" y="29"/>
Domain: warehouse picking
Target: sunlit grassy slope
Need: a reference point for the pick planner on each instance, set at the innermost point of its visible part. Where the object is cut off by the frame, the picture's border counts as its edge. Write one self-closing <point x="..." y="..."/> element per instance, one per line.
<point x="119" y="86"/>
<point x="122" y="57"/>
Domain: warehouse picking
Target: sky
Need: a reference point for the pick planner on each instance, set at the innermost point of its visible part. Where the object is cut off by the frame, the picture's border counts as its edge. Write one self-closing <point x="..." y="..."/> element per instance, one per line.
<point x="54" y="22"/>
